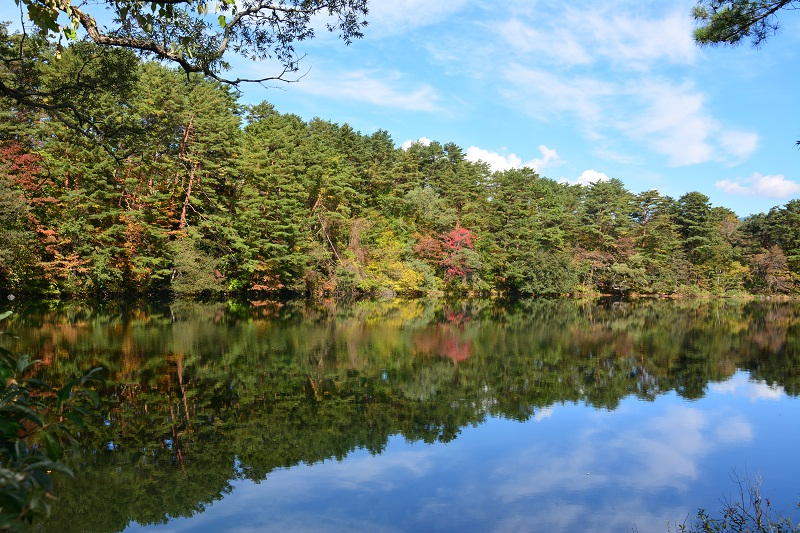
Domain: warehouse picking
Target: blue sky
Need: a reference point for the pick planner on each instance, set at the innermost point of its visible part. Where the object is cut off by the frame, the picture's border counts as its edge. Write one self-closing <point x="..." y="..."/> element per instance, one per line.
<point x="579" y="90"/>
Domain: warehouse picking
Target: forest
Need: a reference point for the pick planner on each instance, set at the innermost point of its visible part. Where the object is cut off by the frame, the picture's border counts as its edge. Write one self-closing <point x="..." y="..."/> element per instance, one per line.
<point x="182" y="190"/>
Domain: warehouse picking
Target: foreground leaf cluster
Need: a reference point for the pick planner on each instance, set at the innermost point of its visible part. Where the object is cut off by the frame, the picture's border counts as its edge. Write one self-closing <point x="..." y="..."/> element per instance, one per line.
<point x="33" y="434"/>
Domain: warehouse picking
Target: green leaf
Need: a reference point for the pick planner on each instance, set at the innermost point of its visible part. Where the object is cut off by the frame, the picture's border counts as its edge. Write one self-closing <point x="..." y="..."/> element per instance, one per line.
<point x="45" y="465"/>
<point x="36" y="382"/>
<point x="75" y="418"/>
<point x="93" y="396"/>
<point x="25" y="362"/>
<point x="53" y="448"/>
<point x="9" y="428"/>
<point x="5" y="314"/>
<point x="65" y="392"/>
<point x="23" y="411"/>
<point x="222" y="21"/>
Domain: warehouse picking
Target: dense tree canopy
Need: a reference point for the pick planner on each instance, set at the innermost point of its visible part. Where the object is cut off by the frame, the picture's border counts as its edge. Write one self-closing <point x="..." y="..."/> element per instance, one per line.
<point x="193" y="194"/>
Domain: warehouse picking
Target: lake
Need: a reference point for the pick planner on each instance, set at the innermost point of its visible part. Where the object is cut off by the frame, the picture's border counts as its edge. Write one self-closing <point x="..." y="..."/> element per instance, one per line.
<point x="425" y="415"/>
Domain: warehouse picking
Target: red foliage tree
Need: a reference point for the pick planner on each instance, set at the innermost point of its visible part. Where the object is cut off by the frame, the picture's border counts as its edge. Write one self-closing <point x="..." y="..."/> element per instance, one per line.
<point x="454" y="262"/>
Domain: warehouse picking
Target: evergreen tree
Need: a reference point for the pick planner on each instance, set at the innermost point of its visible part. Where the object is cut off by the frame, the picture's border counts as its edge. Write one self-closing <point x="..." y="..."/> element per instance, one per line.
<point x="692" y="217"/>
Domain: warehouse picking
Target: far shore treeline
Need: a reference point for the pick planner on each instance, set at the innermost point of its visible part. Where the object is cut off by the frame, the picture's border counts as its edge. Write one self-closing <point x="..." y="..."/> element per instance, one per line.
<point x="182" y="190"/>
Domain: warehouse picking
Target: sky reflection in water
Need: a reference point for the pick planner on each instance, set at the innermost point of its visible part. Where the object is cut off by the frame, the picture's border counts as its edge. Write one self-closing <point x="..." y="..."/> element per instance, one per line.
<point x="569" y="468"/>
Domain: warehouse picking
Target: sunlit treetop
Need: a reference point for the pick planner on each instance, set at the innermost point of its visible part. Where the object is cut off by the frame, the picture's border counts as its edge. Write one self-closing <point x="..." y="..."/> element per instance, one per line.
<point x="198" y="35"/>
<point x="730" y="22"/>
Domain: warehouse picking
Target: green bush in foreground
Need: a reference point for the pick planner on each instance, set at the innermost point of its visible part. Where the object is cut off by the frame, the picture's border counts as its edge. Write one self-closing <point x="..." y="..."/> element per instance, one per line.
<point x="32" y="435"/>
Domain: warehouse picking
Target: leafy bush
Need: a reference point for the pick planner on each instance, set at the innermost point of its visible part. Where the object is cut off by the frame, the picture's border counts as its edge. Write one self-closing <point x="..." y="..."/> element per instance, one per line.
<point x="33" y="431"/>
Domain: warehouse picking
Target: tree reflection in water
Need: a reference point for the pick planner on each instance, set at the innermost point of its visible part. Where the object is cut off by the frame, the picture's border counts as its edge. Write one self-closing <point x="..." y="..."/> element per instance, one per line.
<point x="201" y="396"/>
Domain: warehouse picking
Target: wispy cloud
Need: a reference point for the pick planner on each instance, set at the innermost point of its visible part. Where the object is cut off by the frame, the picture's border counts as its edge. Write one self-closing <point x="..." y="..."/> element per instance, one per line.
<point x="392" y="17"/>
<point x="545" y="94"/>
<point x="372" y="87"/>
<point x="672" y="121"/>
<point x="593" y="64"/>
<point x="592" y="33"/>
<point x="544" y="413"/>
<point x="557" y="45"/>
<point x="638" y="43"/>
<point x="774" y="186"/>
<point x="739" y="144"/>
<point x="669" y="118"/>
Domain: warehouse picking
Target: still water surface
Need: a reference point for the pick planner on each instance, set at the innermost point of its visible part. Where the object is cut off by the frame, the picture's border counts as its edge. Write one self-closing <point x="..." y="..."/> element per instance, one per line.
<point x="426" y="415"/>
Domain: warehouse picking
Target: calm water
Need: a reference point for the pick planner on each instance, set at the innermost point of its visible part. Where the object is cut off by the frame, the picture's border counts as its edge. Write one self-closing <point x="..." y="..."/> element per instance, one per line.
<point x="424" y="415"/>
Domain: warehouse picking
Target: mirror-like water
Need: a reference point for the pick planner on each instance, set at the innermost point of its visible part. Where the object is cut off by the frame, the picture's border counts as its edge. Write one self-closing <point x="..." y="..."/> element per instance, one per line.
<point x="426" y="416"/>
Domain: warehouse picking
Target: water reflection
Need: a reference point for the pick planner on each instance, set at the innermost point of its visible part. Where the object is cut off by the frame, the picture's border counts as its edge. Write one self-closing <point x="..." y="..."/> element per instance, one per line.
<point x="581" y="470"/>
<point x="424" y="415"/>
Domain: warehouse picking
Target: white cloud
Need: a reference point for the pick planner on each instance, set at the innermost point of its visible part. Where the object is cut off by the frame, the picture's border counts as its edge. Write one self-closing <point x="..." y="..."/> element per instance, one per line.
<point x="671" y="119"/>
<point x="739" y="144"/>
<point x="599" y="58"/>
<point x="736" y="430"/>
<point x="543" y="413"/>
<point x="673" y="122"/>
<point x="359" y="472"/>
<point x="384" y="90"/>
<point x="499" y="162"/>
<point x="741" y="385"/>
<point x="774" y="186"/>
<point x="652" y="456"/>
<point x="668" y="458"/>
<point x="549" y="158"/>
<point x="587" y="178"/>
<point x="422" y="140"/>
